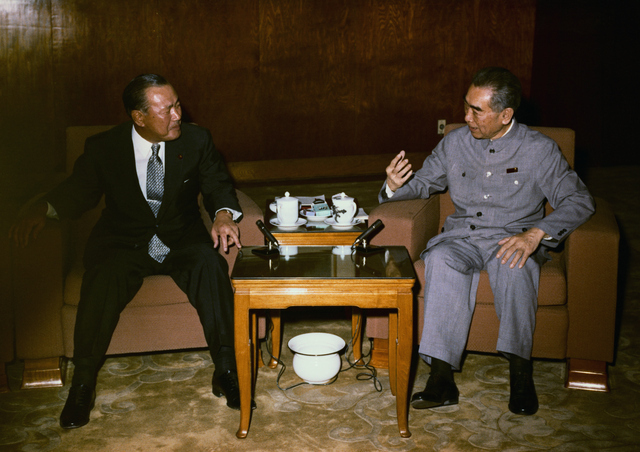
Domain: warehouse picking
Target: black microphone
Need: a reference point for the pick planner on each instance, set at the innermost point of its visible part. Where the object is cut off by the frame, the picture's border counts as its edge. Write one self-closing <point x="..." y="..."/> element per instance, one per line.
<point x="374" y="227"/>
<point x="269" y="236"/>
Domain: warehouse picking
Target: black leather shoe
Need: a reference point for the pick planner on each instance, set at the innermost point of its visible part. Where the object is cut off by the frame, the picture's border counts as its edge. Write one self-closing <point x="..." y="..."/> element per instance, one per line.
<point x="523" y="399"/>
<point x="78" y="407"/>
<point x="438" y="392"/>
<point x="227" y="385"/>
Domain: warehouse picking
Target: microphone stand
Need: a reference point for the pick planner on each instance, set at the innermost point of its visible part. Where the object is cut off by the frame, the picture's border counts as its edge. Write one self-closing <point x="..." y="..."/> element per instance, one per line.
<point x="366" y="250"/>
<point x="271" y="250"/>
<point x="361" y="245"/>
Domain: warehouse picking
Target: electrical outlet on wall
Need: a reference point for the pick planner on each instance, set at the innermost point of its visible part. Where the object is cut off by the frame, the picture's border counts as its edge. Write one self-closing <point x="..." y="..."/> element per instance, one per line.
<point x="441" y="124"/>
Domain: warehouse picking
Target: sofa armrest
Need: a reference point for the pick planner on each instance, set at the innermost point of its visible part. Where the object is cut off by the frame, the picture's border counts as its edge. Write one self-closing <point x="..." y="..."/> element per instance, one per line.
<point x="409" y="223"/>
<point x="38" y="279"/>
<point x="592" y="273"/>
<point x="250" y="235"/>
<point x="249" y="232"/>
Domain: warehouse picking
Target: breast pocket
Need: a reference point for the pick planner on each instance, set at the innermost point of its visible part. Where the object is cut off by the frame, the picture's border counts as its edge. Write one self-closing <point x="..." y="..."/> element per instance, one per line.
<point x="462" y="183"/>
<point x="514" y="183"/>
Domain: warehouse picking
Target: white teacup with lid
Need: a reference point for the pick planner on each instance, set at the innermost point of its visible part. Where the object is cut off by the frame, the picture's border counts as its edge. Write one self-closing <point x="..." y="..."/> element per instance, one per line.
<point x="286" y="209"/>
<point x="344" y="208"/>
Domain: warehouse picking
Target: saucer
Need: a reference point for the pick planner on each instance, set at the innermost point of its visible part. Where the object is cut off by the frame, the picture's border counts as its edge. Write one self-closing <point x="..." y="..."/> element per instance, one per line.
<point x="332" y="222"/>
<point x="314" y="217"/>
<point x="300" y="222"/>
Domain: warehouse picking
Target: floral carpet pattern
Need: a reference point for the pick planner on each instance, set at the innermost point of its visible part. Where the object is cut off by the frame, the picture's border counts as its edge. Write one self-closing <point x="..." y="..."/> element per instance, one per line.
<point x="164" y="401"/>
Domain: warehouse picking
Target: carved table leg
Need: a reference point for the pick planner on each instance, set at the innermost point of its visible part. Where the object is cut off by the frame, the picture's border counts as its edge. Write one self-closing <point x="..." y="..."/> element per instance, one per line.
<point x="276" y="338"/>
<point x="243" y="360"/>
<point x="356" y="334"/>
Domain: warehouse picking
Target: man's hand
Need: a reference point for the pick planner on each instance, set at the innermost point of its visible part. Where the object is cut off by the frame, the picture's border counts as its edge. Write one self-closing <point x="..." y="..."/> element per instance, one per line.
<point x="29" y="224"/>
<point x="520" y="246"/>
<point x="398" y="172"/>
<point x="225" y="231"/>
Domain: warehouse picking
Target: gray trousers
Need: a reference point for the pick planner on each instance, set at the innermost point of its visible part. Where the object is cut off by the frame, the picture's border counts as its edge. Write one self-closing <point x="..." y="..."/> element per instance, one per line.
<point x="451" y="282"/>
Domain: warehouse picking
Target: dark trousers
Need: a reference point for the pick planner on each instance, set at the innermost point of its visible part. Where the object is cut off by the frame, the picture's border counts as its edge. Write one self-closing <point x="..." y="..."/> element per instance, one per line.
<point x="108" y="286"/>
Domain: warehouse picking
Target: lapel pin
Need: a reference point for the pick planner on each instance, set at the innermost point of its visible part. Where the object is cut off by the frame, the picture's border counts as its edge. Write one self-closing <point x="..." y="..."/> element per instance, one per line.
<point x="180" y="156"/>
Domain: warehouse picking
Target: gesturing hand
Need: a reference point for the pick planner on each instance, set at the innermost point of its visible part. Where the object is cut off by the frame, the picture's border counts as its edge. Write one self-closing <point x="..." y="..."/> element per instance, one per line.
<point x="398" y="172"/>
<point x="225" y="231"/>
<point x="520" y="246"/>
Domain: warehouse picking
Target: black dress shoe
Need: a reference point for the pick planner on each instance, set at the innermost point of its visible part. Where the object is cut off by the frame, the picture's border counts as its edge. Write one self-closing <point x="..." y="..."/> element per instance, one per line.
<point x="227" y="385"/>
<point x="523" y="399"/>
<point x="440" y="391"/>
<point x="78" y="407"/>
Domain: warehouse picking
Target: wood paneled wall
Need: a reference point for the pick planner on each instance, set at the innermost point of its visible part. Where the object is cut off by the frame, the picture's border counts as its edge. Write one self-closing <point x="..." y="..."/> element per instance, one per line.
<point x="272" y="79"/>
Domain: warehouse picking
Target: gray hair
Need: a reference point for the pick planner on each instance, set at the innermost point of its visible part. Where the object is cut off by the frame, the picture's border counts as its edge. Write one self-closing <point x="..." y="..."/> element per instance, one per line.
<point x="506" y="87"/>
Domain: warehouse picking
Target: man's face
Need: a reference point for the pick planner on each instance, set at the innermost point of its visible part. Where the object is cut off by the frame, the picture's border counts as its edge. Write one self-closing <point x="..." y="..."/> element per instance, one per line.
<point x="161" y="121"/>
<point x="483" y="122"/>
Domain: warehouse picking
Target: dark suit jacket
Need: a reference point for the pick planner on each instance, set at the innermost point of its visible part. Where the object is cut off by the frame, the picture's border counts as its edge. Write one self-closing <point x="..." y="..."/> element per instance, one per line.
<point x="107" y="167"/>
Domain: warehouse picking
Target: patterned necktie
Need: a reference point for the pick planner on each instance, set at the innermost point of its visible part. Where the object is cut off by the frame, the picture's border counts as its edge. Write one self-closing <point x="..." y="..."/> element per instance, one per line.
<point x="155" y="190"/>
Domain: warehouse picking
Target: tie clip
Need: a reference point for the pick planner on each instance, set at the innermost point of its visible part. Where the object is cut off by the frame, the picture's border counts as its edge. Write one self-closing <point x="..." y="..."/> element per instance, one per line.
<point x="512" y="170"/>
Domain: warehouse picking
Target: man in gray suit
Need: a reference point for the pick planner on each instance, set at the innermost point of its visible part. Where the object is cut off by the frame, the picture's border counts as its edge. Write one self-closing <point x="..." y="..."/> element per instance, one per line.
<point x="499" y="174"/>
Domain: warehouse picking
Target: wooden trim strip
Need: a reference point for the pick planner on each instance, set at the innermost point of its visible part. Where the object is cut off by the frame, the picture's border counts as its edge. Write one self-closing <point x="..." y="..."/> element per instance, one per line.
<point x="316" y="168"/>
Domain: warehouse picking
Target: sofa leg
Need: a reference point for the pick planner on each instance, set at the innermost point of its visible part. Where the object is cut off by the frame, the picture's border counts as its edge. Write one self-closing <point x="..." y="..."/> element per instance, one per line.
<point x="4" y="381"/>
<point x="380" y="353"/>
<point x="588" y="375"/>
<point x="44" y="373"/>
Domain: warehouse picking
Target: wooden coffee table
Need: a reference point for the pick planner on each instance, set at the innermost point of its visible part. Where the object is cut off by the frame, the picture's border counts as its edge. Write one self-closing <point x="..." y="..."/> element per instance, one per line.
<point x="317" y="277"/>
<point x="314" y="233"/>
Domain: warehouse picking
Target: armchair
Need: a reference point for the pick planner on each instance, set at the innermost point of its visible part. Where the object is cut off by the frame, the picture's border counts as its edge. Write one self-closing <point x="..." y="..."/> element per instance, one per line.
<point x="577" y="298"/>
<point x="47" y="278"/>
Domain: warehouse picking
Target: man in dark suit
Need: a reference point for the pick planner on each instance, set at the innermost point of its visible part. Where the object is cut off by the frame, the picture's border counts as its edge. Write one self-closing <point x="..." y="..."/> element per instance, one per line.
<point x="150" y="172"/>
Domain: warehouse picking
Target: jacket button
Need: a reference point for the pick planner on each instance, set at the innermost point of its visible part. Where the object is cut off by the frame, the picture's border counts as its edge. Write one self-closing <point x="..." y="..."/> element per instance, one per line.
<point x="492" y="151"/>
<point x="524" y="229"/>
<point x="473" y="227"/>
<point x="479" y="214"/>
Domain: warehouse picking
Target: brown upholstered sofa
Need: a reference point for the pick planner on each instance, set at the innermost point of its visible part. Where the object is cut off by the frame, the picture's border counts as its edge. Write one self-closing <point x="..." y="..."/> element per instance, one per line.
<point x="577" y="297"/>
<point x="47" y="277"/>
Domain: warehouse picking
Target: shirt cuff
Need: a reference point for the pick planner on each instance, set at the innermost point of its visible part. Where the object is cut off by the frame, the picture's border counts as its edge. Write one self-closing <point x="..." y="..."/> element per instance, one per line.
<point x="51" y="212"/>
<point x="234" y="213"/>
<point x="388" y="191"/>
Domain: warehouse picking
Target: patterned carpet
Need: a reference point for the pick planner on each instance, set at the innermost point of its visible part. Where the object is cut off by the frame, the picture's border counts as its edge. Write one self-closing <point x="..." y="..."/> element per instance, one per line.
<point x="164" y="401"/>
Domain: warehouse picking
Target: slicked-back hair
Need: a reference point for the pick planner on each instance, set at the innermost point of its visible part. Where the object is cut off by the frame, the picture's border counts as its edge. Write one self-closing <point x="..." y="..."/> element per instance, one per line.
<point x="134" y="96"/>
<point x="506" y="87"/>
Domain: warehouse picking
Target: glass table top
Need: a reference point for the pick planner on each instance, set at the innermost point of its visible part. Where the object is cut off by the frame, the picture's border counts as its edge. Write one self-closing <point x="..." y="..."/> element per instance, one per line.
<point x="322" y="262"/>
